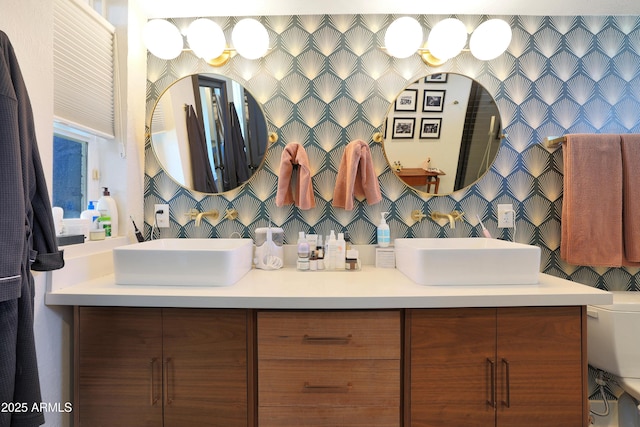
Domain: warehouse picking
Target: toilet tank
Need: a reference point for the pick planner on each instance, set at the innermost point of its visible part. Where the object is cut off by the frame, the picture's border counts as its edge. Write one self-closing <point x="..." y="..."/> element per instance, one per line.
<point x="613" y="333"/>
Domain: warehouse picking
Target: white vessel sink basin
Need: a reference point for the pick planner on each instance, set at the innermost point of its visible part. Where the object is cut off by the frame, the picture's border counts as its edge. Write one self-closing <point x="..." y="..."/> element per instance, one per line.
<point x="467" y="261"/>
<point x="183" y="262"/>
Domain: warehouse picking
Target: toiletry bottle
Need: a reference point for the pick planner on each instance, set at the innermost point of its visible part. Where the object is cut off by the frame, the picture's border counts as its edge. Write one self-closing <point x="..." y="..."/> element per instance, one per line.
<point x="91" y="213"/>
<point x="303" y="252"/>
<point x="107" y="207"/>
<point x="384" y="235"/>
<point x="341" y="252"/>
<point x="320" y="253"/>
<point x="332" y="248"/>
<point x="104" y="223"/>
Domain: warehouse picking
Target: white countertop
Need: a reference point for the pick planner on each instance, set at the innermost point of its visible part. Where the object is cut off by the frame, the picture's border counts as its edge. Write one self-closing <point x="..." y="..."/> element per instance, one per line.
<point x="369" y="288"/>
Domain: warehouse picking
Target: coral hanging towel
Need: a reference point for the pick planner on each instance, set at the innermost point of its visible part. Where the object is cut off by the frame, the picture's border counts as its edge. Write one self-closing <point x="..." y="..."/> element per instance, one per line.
<point x="592" y="213"/>
<point x="294" y="178"/>
<point x="356" y="177"/>
<point x="630" y="196"/>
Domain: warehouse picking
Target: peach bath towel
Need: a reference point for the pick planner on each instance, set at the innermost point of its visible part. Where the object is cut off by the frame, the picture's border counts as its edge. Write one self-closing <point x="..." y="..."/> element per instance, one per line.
<point x="592" y="201"/>
<point x="631" y="197"/>
<point x="295" y="186"/>
<point x="356" y="176"/>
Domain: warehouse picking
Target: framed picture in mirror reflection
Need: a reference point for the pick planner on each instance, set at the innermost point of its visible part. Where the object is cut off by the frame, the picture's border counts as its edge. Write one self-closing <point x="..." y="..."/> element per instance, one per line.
<point x="403" y="127"/>
<point x="407" y="100"/>
<point x="430" y="128"/>
<point x="433" y="101"/>
<point x="436" y="78"/>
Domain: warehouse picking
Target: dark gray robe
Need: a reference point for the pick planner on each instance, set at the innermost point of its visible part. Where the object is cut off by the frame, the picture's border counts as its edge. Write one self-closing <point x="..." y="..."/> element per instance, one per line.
<point x="27" y="241"/>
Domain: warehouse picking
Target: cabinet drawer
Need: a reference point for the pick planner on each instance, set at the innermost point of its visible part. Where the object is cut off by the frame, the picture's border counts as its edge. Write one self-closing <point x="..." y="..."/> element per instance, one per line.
<point x="329" y="335"/>
<point x="329" y="383"/>
<point x="322" y="417"/>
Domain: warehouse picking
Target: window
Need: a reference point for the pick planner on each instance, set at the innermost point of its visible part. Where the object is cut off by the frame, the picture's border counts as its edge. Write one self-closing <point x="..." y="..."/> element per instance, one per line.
<point x="75" y="172"/>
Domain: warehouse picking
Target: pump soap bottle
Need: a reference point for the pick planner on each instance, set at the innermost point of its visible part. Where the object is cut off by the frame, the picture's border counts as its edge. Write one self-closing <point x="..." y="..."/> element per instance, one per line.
<point x="384" y="235"/>
<point x="107" y="207"/>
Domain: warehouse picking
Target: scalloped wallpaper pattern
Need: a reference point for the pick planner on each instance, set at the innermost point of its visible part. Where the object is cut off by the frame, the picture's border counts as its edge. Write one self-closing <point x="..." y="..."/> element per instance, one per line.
<point x="326" y="82"/>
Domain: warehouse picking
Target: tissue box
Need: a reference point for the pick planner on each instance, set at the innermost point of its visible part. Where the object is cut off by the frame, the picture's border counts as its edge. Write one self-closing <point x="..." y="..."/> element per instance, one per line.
<point x="77" y="226"/>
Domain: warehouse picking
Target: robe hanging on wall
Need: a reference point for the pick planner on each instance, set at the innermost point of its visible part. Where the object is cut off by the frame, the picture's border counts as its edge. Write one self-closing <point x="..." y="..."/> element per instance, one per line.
<point x="27" y="241"/>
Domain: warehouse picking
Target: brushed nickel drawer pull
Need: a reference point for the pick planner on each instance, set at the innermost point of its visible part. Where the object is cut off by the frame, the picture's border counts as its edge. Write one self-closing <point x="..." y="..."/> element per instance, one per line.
<point x="326" y="340"/>
<point x="492" y="400"/>
<point x="308" y="388"/>
<point x="168" y="371"/>
<point x="507" y="402"/>
<point x="152" y="366"/>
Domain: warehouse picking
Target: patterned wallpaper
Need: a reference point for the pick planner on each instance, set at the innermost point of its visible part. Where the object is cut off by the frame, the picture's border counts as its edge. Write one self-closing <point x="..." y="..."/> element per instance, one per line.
<point x="326" y="82"/>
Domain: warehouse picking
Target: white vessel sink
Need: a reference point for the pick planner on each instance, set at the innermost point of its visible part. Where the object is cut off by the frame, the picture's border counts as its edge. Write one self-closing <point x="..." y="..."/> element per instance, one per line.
<point x="183" y="262"/>
<point x="467" y="261"/>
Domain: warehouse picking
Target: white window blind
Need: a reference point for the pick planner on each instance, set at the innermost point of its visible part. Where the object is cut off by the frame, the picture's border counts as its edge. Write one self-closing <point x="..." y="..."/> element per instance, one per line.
<point x="83" y="66"/>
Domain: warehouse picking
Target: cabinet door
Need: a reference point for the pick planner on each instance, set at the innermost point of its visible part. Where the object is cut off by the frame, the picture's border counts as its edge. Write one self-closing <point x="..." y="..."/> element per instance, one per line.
<point x="118" y="363"/>
<point x="451" y="362"/>
<point x="541" y="369"/>
<point x="205" y="367"/>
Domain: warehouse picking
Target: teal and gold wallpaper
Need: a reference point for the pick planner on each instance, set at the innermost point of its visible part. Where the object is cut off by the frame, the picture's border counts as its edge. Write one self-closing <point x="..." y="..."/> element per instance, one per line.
<point x="326" y="82"/>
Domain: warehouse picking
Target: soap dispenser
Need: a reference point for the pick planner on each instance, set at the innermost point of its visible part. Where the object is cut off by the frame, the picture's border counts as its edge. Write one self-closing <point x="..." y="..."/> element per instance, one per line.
<point x="384" y="235"/>
<point x="107" y="207"/>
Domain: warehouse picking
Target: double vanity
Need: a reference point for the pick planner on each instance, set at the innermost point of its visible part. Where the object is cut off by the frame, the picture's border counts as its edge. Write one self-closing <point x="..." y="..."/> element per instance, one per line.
<point x="356" y="348"/>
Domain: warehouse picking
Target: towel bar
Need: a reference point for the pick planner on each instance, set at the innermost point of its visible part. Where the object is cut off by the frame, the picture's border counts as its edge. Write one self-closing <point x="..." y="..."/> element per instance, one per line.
<point x="553" y="142"/>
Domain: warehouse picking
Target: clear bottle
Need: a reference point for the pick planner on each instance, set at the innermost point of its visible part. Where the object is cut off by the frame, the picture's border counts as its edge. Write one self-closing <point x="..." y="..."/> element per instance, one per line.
<point x="303" y="252"/>
<point x="341" y="252"/>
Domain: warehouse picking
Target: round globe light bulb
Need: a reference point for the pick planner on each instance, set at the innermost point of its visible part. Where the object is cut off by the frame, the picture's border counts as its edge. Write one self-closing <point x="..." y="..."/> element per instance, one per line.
<point x="206" y="38"/>
<point x="250" y="38"/>
<point x="403" y="37"/>
<point x="490" y="40"/>
<point x="162" y="38"/>
<point x="447" y="38"/>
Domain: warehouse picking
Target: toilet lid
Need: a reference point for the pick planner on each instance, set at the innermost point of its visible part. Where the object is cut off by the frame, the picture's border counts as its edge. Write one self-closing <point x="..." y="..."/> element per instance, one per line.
<point x="623" y="301"/>
<point x="631" y="386"/>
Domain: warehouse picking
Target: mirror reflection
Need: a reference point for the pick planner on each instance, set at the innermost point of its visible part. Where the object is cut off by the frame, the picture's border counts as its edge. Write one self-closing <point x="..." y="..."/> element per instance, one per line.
<point x="208" y="133"/>
<point x="442" y="133"/>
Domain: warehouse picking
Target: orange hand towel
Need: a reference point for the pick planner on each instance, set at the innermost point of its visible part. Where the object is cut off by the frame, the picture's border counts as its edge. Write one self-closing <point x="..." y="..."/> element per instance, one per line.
<point x="592" y="201"/>
<point x="356" y="176"/>
<point x="295" y="187"/>
<point x="631" y="197"/>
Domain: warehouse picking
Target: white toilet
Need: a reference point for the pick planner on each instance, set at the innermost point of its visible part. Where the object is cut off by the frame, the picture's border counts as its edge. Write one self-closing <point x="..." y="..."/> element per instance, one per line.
<point x="614" y="340"/>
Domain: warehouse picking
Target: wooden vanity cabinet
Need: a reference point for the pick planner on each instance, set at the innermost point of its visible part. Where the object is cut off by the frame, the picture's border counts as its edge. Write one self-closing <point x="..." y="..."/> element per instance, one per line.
<point x="523" y="366"/>
<point x="150" y="367"/>
<point x="329" y="368"/>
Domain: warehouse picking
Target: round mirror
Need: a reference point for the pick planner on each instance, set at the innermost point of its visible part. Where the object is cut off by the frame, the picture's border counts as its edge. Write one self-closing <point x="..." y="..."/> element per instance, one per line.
<point x="442" y="133"/>
<point x="209" y="133"/>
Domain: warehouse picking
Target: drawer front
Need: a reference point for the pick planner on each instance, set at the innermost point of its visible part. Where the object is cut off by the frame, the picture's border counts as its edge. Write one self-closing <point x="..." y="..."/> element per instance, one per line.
<point x="323" y="417"/>
<point x="329" y="335"/>
<point x="329" y="383"/>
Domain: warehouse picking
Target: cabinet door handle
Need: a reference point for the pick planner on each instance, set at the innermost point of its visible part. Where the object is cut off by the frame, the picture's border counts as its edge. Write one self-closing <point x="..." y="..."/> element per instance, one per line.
<point x="309" y="388"/>
<point x="152" y="367"/>
<point x="507" y="402"/>
<point x="167" y="382"/>
<point x="326" y="340"/>
<point x="492" y="368"/>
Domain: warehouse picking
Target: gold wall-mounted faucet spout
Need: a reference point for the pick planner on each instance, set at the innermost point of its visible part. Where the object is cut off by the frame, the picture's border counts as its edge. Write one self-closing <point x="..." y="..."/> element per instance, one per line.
<point x="452" y="217"/>
<point x="195" y="214"/>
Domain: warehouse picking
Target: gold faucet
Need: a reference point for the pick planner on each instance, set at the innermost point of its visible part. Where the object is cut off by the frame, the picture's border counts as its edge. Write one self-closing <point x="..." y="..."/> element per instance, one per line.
<point x="452" y="216"/>
<point x="195" y="214"/>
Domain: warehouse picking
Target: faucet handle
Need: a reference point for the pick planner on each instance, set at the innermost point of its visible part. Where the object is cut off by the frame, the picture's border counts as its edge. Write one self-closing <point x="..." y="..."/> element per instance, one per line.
<point x="231" y="214"/>
<point x="417" y="215"/>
